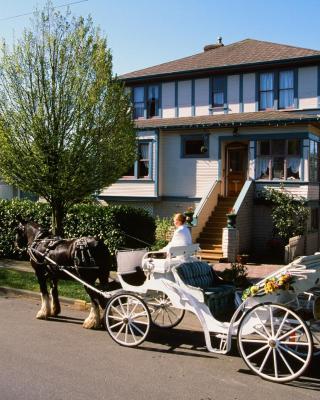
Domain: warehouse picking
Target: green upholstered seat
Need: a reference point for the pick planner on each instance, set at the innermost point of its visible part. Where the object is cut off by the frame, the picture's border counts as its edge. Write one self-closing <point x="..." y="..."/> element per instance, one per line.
<point x="218" y="295"/>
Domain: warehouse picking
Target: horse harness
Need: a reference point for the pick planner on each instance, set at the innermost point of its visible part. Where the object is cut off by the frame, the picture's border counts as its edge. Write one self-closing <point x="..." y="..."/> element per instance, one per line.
<point x="82" y="256"/>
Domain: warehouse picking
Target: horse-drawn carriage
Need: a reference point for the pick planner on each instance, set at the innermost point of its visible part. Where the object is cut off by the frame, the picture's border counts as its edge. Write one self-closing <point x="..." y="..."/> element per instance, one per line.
<point x="276" y="322"/>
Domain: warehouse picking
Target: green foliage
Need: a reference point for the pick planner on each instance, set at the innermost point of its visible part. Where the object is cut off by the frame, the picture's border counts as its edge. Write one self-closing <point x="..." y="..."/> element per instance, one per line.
<point x="66" y="129"/>
<point x="28" y="281"/>
<point x="163" y="227"/>
<point x="113" y="224"/>
<point x="236" y="274"/>
<point x="289" y="213"/>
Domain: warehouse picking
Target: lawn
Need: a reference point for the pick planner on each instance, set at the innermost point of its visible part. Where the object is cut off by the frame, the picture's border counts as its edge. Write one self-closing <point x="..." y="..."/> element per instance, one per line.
<point x="28" y="281"/>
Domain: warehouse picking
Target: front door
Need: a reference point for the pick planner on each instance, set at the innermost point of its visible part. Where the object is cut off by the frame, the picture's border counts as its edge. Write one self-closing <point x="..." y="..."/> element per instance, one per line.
<point x="236" y="171"/>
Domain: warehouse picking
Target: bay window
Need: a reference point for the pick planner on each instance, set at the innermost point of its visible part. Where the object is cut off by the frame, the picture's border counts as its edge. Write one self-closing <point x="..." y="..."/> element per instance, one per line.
<point x="313" y="161"/>
<point x="278" y="159"/>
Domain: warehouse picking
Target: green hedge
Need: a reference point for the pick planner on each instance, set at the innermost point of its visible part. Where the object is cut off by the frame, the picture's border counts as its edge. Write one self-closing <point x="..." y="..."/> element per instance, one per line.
<point x="112" y="224"/>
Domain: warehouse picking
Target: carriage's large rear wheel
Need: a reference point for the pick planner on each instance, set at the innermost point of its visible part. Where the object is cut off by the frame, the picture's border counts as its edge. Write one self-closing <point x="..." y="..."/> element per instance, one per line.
<point x="127" y="319"/>
<point x="268" y="338"/>
<point x="163" y="314"/>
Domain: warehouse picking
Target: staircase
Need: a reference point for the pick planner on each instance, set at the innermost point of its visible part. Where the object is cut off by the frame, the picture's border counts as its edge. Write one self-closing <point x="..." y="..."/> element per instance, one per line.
<point x="210" y="238"/>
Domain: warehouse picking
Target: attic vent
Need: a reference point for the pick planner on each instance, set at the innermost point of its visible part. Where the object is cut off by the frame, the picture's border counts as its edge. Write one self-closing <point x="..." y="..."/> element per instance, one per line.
<point x="215" y="45"/>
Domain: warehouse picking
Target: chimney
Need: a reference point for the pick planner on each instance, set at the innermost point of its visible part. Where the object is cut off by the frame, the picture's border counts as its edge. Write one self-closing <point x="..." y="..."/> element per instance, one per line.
<point x="215" y="45"/>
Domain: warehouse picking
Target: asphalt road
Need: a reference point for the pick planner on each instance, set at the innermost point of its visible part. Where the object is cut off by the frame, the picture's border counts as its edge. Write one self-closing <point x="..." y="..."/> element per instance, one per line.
<point x="58" y="359"/>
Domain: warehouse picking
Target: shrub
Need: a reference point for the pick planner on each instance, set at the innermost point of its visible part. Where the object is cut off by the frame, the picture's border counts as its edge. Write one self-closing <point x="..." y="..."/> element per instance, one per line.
<point x="163" y="227"/>
<point x="119" y="226"/>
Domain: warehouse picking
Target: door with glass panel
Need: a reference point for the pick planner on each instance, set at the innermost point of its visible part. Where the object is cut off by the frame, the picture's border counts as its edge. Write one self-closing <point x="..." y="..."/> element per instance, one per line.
<point x="236" y="167"/>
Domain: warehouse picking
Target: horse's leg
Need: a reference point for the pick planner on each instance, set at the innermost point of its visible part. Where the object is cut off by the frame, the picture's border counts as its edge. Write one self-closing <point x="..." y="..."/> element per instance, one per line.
<point x="45" y="310"/>
<point x="55" y="304"/>
<point x="93" y="321"/>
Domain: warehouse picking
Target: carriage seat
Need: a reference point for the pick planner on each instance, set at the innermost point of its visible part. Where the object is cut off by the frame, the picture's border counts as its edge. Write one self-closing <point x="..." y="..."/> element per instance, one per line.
<point x="218" y="295"/>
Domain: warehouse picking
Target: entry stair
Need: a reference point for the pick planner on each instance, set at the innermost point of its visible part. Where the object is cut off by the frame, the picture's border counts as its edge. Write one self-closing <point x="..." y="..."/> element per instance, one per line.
<point x="210" y="238"/>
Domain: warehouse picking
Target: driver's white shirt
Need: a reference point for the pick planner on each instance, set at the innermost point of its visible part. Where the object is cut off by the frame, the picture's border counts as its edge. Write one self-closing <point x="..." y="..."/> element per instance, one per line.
<point x="181" y="237"/>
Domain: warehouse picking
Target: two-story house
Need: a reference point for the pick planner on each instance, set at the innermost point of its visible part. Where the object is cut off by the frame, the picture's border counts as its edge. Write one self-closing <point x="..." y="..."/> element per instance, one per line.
<point x="215" y="128"/>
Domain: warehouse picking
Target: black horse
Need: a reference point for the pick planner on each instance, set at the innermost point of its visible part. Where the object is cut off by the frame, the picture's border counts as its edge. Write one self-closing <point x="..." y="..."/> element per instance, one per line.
<point x="87" y="258"/>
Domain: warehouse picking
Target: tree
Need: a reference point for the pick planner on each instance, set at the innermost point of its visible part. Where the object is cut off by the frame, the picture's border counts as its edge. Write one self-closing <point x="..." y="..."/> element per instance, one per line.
<point x="289" y="213"/>
<point x="65" y="123"/>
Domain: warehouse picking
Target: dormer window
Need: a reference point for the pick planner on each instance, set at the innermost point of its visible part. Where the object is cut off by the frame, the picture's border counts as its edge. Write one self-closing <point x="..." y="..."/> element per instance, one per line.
<point x="153" y="101"/>
<point x="266" y="91"/>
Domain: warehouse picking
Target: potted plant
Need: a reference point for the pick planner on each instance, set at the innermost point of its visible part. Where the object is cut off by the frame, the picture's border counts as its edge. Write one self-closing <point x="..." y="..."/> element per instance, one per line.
<point x="231" y="218"/>
<point x="242" y="258"/>
<point x="189" y="215"/>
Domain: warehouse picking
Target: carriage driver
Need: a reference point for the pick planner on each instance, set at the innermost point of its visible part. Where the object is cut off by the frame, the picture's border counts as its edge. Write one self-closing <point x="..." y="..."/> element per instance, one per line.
<point x="181" y="236"/>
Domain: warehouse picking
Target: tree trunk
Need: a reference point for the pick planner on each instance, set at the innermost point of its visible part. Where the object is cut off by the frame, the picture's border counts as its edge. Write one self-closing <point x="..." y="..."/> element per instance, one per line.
<point x="57" y="218"/>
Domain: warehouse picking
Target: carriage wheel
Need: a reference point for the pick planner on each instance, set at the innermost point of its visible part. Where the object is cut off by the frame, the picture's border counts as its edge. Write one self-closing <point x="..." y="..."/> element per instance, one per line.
<point x="127" y="319"/>
<point x="163" y="314"/>
<point x="268" y="338"/>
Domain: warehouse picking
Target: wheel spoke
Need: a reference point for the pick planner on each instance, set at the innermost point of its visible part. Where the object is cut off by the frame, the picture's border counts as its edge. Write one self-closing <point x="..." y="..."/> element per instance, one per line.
<point x="117" y="324"/>
<point x="117" y="311"/>
<point x="290" y="332"/>
<point x="254" y="341"/>
<point x="262" y="324"/>
<point x="136" y="328"/>
<point x="275" y="363"/>
<point x="292" y="353"/>
<point x="120" y="330"/>
<point x="132" y="333"/>
<point x="126" y="334"/>
<point x="260" y="334"/>
<point x="116" y="318"/>
<point x="121" y="306"/>
<point x="295" y="343"/>
<point x="140" y="314"/>
<point x="271" y="321"/>
<point x="257" y="351"/>
<point x="265" y="359"/>
<point x="285" y="361"/>
<point x="281" y="325"/>
<point x="132" y="311"/>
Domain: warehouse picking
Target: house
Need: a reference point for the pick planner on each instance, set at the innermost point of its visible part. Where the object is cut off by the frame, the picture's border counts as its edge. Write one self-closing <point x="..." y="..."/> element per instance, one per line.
<point x="217" y="127"/>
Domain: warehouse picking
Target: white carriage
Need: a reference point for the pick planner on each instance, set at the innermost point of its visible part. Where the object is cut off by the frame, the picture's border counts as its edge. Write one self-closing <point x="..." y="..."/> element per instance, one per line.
<point x="277" y="333"/>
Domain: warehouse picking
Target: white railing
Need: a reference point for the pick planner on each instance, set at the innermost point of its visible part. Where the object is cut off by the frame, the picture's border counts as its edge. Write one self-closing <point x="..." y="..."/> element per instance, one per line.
<point x="205" y="208"/>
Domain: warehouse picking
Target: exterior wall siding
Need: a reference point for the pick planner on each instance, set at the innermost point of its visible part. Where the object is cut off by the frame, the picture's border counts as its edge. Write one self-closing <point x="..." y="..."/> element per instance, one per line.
<point x="184" y="98"/>
<point x="194" y="175"/>
<point x="168" y="100"/>
<point x="233" y="95"/>
<point x="249" y="92"/>
<point x="309" y="192"/>
<point x="201" y="96"/>
<point x="307" y="87"/>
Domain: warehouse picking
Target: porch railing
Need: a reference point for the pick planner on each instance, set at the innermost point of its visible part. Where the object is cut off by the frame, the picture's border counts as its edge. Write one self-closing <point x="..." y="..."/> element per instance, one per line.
<point x="205" y="208"/>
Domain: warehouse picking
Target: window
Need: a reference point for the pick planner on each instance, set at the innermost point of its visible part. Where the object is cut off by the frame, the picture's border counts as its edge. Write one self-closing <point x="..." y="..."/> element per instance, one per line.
<point x="142" y="166"/>
<point x="138" y="102"/>
<point x="218" y="90"/>
<point x="278" y="159"/>
<point x="195" y="146"/>
<point x="153" y="101"/>
<point x="313" y="161"/>
<point x="266" y="90"/>
<point x="286" y="93"/>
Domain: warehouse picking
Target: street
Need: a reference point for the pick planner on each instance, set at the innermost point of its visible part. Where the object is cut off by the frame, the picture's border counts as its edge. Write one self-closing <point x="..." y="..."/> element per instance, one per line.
<point x="58" y="359"/>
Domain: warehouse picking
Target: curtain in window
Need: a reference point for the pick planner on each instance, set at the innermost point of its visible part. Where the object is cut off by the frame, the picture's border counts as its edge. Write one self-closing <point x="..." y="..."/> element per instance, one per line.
<point x="262" y="168"/>
<point x="266" y="91"/>
<point x="293" y="167"/>
<point x="143" y="160"/>
<point x="286" y="95"/>
<point x="138" y="99"/>
<point x="266" y="81"/>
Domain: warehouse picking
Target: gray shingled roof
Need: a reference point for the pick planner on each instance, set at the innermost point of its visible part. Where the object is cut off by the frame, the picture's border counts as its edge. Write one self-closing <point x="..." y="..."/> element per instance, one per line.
<point x="248" y="51"/>
<point x="229" y="120"/>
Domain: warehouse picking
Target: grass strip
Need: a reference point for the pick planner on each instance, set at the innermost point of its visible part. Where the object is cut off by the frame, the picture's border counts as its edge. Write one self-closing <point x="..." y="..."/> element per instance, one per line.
<point x="28" y="281"/>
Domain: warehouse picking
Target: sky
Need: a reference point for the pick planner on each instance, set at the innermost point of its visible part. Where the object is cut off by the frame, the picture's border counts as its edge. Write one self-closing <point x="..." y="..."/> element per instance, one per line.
<point x="142" y="33"/>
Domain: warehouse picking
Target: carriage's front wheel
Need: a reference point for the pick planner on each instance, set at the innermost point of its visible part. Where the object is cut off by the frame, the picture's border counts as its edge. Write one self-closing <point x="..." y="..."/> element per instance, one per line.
<point x="127" y="319"/>
<point x="268" y="338"/>
<point x="163" y="314"/>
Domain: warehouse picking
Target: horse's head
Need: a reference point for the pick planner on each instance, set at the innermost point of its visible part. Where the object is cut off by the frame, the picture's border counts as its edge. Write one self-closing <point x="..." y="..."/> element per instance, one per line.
<point x="26" y="233"/>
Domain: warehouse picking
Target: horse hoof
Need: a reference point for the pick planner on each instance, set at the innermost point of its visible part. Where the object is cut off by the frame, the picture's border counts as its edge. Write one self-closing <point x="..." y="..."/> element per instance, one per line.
<point x="91" y="324"/>
<point x="42" y="315"/>
<point x="55" y="312"/>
